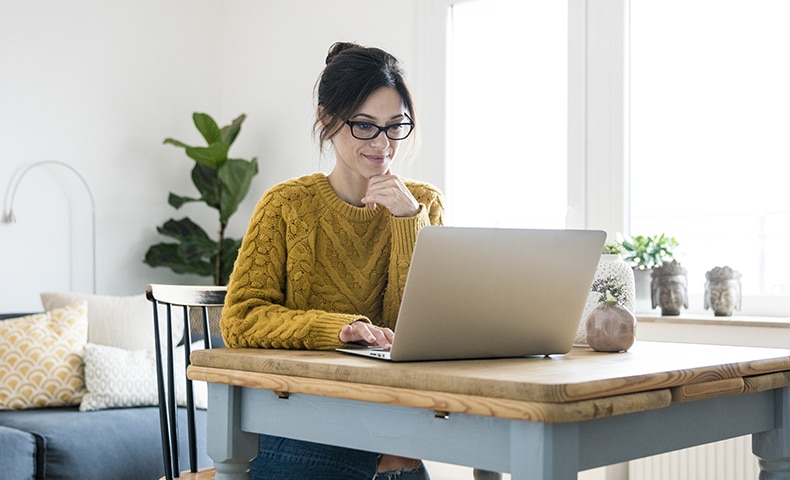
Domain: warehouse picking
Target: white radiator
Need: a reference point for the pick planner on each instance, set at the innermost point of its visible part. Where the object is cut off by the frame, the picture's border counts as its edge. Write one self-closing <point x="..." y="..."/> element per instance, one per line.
<point x="726" y="460"/>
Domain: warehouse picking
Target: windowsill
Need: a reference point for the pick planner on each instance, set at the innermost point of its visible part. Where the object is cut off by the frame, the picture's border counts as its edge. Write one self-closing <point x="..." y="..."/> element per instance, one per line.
<point x="711" y="320"/>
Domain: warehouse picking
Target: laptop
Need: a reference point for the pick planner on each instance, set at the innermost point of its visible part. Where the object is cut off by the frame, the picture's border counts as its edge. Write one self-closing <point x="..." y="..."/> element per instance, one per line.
<point x="492" y="293"/>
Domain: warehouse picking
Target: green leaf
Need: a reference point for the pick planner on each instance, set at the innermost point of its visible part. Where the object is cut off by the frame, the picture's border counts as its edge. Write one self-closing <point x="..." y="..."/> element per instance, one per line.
<point x="194" y="247"/>
<point x="207" y="182"/>
<point x="213" y="156"/>
<point x="184" y="229"/>
<point x="168" y="255"/>
<point x="609" y="297"/>
<point x="230" y="132"/>
<point x="177" y="201"/>
<point x="207" y="127"/>
<point x="197" y="249"/>
<point x="236" y="177"/>
<point x="175" y="142"/>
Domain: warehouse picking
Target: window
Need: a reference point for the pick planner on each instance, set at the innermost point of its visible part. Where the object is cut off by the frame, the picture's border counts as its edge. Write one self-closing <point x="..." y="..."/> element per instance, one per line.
<point x="710" y="96"/>
<point x="507" y="158"/>
<point x="677" y="123"/>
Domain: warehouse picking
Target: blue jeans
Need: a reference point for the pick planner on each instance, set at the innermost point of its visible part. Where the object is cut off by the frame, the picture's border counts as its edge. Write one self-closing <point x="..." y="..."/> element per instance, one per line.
<point x="285" y="459"/>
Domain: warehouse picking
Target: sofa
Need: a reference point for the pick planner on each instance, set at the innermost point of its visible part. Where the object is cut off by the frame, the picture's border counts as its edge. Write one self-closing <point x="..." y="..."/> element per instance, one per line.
<point x="78" y="391"/>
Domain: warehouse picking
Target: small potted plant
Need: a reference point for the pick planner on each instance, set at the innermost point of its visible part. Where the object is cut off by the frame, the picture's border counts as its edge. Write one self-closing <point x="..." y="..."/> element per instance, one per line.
<point x="615" y="267"/>
<point x="612" y="248"/>
<point x="646" y="252"/>
<point x="612" y="266"/>
<point x="643" y="253"/>
<point x="610" y="326"/>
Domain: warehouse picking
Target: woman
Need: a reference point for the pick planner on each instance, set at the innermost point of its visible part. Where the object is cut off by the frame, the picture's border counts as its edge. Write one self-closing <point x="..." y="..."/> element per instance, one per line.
<point x="325" y="257"/>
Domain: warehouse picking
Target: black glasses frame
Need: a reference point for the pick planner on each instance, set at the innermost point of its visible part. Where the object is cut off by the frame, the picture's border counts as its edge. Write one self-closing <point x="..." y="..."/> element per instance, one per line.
<point x="379" y="129"/>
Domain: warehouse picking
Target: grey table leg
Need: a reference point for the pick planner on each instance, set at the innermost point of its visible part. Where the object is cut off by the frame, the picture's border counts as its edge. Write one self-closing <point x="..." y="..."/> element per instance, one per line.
<point x="544" y="451"/>
<point x="772" y="448"/>
<point x="229" y="447"/>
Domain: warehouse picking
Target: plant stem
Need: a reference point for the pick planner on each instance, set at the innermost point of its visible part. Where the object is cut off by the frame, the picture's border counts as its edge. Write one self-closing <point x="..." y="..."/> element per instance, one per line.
<point x="218" y="260"/>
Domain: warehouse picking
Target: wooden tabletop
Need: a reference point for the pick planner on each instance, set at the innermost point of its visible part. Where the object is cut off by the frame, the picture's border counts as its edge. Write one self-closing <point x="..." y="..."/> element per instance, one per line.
<point x="583" y="384"/>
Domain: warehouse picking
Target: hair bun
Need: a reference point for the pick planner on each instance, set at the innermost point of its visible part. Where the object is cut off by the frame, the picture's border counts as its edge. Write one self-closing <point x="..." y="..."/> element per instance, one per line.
<point x="339" y="47"/>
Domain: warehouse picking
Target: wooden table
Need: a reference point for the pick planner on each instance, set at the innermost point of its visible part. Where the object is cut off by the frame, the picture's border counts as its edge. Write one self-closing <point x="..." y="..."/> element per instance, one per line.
<point x="540" y="418"/>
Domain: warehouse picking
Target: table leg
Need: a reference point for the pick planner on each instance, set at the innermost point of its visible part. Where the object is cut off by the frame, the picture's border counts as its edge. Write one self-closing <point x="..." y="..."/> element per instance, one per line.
<point x="772" y="448"/>
<point x="229" y="447"/>
<point x="544" y="451"/>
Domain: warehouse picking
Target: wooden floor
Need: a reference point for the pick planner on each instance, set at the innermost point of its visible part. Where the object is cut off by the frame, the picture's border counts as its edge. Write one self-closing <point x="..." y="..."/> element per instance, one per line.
<point x="443" y="471"/>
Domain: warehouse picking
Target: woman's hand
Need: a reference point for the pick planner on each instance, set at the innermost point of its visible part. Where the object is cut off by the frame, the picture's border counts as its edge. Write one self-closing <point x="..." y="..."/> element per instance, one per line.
<point x="367" y="333"/>
<point x="389" y="191"/>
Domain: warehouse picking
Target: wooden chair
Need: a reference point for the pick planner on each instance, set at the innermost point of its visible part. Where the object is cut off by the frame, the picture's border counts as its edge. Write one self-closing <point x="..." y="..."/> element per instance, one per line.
<point x="169" y="299"/>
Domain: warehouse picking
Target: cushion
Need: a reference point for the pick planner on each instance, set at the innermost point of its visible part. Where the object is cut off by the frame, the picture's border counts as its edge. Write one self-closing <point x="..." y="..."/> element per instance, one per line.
<point x="41" y="358"/>
<point x="17" y="453"/>
<point x="118" y="321"/>
<point x="116" y="378"/>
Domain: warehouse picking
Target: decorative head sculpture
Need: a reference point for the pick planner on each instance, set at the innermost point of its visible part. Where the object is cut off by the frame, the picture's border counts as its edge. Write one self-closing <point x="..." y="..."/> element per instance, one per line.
<point x="722" y="291"/>
<point x="669" y="288"/>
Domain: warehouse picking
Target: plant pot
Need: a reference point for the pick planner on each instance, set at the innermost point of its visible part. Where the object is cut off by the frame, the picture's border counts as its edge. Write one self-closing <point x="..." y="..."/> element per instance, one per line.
<point x="608" y="265"/>
<point x="611" y="328"/>
<point x="642" y="282"/>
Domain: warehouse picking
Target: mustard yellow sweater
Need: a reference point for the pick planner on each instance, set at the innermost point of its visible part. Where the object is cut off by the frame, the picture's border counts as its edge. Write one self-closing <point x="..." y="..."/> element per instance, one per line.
<point x="311" y="263"/>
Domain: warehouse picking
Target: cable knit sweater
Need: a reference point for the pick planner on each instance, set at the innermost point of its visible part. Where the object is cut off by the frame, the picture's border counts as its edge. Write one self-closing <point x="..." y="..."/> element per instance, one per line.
<point x="311" y="263"/>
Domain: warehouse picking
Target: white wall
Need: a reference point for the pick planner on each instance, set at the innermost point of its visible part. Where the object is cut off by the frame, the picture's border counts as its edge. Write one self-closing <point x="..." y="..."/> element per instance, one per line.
<point x="99" y="85"/>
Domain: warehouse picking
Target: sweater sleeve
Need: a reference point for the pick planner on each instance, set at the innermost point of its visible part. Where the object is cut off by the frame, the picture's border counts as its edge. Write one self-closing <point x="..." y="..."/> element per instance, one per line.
<point x="404" y="236"/>
<point x="254" y="314"/>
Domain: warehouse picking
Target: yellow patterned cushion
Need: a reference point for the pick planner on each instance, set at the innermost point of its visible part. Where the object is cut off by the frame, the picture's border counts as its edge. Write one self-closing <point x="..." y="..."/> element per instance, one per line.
<point x="41" y="358"/>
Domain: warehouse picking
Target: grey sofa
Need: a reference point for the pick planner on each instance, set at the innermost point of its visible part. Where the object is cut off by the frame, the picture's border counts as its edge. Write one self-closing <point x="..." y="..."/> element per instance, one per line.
<point x="64" y="443"/>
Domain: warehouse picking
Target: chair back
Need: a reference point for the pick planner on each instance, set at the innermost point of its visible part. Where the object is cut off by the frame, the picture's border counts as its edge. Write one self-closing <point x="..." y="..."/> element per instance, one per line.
<point x="187" y="315"/>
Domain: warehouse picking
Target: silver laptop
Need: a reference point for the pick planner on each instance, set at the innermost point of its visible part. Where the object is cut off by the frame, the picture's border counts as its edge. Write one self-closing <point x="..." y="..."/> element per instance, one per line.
<point x="491" y="293"/>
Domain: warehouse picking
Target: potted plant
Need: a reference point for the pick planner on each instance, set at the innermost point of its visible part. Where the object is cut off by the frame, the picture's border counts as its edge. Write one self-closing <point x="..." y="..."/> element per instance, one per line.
<point x="612" y="268"/>
<point x="643" y="253"/>
<point x="222" y="183"/>
<point x="612" y="248"/>
<point x="609" y="289"/>
<point x="610" y="326"/>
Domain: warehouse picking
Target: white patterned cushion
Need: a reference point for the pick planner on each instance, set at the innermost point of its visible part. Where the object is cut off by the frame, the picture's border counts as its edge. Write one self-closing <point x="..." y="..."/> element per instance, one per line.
<point x="41" y="358"/>
<point x="117" y="378"/>
<point x="118" y="321"/>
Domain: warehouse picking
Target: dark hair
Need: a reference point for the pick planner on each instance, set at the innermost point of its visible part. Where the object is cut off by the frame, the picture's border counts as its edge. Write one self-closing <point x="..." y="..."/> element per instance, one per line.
<point x="351" y="74"/>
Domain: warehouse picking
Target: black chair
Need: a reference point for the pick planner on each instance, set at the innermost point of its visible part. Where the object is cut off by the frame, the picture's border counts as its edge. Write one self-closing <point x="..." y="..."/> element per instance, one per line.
<point x="195" y="303"/>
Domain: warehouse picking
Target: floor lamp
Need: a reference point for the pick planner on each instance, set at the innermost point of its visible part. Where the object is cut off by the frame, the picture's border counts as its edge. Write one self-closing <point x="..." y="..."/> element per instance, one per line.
<point x="8" y="212"/>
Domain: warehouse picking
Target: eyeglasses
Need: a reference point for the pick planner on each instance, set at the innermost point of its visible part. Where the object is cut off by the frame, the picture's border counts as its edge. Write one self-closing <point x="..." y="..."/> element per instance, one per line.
<point x="369" y="131"/>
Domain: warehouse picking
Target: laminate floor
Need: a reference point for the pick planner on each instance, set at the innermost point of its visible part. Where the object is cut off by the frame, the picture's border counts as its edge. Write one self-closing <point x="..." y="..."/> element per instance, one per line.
<point x="444" y="471"/>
